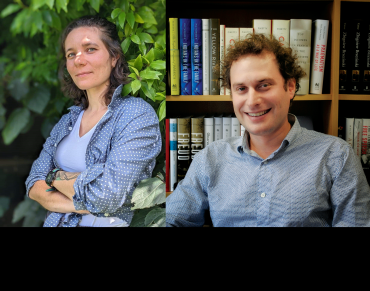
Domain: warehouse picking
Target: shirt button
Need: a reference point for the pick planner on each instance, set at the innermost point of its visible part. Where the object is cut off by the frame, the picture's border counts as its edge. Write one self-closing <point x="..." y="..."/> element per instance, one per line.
<point x="70" y="128"/>
<point x="106" y="214"/>
<point x="55" y="145"/>
<point x="263" y="195"/>
<point x="265" y="162"/>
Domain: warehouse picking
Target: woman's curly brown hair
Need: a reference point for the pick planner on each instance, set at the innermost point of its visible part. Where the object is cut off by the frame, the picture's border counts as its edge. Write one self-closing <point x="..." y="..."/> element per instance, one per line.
<point x="255" y="44"/>
<point x="109" y="37"/>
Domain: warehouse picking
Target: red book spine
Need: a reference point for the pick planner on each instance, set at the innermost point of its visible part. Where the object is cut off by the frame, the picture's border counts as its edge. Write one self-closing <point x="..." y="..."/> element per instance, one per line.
<point x="167" y="155"/>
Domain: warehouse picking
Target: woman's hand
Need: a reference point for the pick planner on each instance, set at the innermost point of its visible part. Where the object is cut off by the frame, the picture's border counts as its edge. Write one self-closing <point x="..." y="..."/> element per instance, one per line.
<point x="64" y="183"/>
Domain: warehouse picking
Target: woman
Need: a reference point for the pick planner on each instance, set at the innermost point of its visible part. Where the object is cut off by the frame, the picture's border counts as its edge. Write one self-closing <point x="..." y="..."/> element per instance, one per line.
<point x="99" y="152"/>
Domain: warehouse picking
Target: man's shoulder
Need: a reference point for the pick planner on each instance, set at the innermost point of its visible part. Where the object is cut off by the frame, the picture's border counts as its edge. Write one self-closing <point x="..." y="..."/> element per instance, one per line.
<point x="222" y="148"/>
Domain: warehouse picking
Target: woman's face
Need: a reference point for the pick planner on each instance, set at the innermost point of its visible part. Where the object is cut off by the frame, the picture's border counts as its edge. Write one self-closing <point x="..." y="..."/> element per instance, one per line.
<point x="87" y="59"/>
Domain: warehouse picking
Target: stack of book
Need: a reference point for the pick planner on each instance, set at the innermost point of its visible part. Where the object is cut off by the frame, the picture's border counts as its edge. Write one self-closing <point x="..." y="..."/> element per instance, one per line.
<point x="196" y="58"/>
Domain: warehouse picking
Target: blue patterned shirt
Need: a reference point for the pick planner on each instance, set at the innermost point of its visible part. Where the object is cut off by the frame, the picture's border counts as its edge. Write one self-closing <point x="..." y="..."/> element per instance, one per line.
<point x="312" y="179"/>
<point x="120" y="154"/>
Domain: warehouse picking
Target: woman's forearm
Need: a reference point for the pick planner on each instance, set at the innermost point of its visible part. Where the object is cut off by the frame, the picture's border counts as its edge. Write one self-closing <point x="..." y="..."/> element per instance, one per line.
<point x="64" y="183"/>
<point x="53" y="201"/>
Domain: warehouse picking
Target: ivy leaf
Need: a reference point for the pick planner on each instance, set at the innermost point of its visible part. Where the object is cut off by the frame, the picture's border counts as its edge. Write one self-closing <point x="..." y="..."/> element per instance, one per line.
<point x="152" y="30"/>
<point x="147" y="17"/>
<point x="150" y="55"/>
<point x="147" y="74"/>
<point x="115" y="12"/>
<point x="134" y="70"/>
<point x="158" y="54"/>
<point x="11" y="8"/>
<point x="37" y="99"/>
<point x="132" y="7"/>
<point x="48" y="125"/>
<point x="126" y="44"/>
<point x="148" y="193"/>
<point x="138" y="64"/>
<point x="61" y="4"/>
<point x="95" y="4"/>
<point x="146" y="37"/>
<point x="138" y="18"/>
<point x="139" y="217"/>
<point x="158" y="65"/>
<point x="56" y="20"/>
<point x="126" y="90"/>
<point x="135" y="85"/>
<point x="135" y="39"/>
<point x="146" y="90"/>
<point x="133" y="76"/>
<point x="4" y="204"/>
<point x="131" y="19"/>
<point x="18" y="89"/>
<point x="162" y="110"/>
<point x="122" y="18"/>
<point x="18" y="119"/>
<point x="36" y="4"/>
<point x="156" y="218"/>
<point x="50" y="3"/>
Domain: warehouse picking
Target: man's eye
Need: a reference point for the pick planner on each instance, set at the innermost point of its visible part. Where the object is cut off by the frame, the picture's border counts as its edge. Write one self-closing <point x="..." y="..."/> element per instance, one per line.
<point x="264" y="85"/>
<point x="240" y="89"/>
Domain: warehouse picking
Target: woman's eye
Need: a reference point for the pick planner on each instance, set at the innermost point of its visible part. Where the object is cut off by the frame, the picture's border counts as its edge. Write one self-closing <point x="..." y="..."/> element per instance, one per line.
<point x="70" y="55"/>
<point x="91" y="49"/>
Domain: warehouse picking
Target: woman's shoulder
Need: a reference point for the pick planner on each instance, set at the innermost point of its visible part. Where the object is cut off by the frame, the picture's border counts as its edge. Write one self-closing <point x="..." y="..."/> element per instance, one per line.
<point x="133" y="106"/>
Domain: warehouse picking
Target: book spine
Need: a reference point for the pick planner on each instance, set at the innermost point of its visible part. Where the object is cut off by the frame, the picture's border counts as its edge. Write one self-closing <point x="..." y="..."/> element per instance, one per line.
<point x="218" y="127"/>
<point x="214" y="28"/>
<point x="280" y="30"/>
<point x="343" y="58"/>
<point x="357" y="56"/>
<point x="226" y="126"/>
<point x="222" y="54"/>
<point x="173" y="153"/>
<point x="349" y="131"/>
<point x="321" y="29"/>
<point x="300" y="43"/>
<point x="183" y="147"/>
<point x="366" y="75"/>
<point x="205" y="55"/>
<point x="185" y="56"/>
<point x="365" y="157"/>
<point x="244" y="32"/>
<point x="196" y="57"/>
<point x="357" y="136"/>
<point x="262" y="26"/>
<point x="197" y="135"/>
<point x="167" y="155"/>
<point x="232" y="35"/>
<point x="235" y="127"/>
<point x="208" y="130"/>
<point x="174" y="57"/>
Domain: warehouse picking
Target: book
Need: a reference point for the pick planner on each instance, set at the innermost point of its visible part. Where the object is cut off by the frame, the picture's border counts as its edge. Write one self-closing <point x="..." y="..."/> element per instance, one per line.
<point x="244" y="32"/>
<point x="357" y="136"/>
<point x="280" y="30"/>
<point x="300" y="43"/>
<point x="185" y="56"/>
<point x="173" y="153"/>
<point x="196" y="57"/>
<point x="226" y="126"/>
<point x="183" y="146"/>
<point x="321" y="29"/>
<point x="217" y="127"/>
<point x="174" y="57"/>
<point x="167" y="155"/>
<point x="366" y="74"/>
<point x="197" y="135"/>
<point x="343" y="58"/>
<point x="365" y="144"/>
<point x="235" y="126"/>
<point x="242" y="130"/>
<point x="222" y="54"/>
<point x="356" y="40"/>
<point x="205" y="55"/>
<point x="262" y="26"/>
<point x="232" y="35"/>
<point x="208" y="129"/>
<point x="214" y="29"/>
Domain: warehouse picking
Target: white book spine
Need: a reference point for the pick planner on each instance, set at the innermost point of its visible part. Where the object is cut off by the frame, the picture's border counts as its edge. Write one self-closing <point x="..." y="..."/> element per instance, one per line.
<point x="321" y="29"/>
<point x="208" y="130"/>
<point x="222" y="53"/>
<point x="349" y="131"/>
<point x="205" y="55"/>
<point x="242" y="130"/>
<point x="365" y="141"/>
<point x="235" y="127"/>
<point x="226" y="126"/>
<point x="244" y="32"/>
<point x="262" y="26"/>
<point x="232" y="34"/>
<point x="280" y="30"/>
<point x="300" y="43"/>
<point x="218" y="127"/>
<point x="173" y="153"/>
<point x="357" y="136"/>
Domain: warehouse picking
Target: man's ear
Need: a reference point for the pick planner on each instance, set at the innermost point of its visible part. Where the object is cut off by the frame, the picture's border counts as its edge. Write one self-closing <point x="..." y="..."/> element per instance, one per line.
<point x="291" y="86"/>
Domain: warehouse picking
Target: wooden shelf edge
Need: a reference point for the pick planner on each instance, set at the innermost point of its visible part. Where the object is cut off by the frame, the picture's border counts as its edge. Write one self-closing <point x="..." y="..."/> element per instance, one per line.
<point x="308" y="97"/>
<point x="354" y="97"/>
<point x="168" y="193"/>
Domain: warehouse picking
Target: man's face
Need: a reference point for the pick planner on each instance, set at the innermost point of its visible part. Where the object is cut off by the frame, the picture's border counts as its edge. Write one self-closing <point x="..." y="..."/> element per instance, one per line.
<point x="260" y="101"/>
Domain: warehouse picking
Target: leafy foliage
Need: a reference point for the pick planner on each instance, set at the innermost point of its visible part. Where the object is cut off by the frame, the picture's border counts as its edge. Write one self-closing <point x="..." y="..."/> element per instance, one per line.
<point x="29" y="61"/>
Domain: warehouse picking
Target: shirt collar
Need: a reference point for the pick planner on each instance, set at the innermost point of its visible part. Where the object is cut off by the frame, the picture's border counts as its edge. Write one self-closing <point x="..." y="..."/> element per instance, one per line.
<point x="290" y="137"/>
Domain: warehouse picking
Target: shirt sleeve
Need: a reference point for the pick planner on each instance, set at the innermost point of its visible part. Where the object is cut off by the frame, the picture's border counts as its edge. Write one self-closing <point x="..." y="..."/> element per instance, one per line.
<point x="187" y="204"/>
<point x="45" y="162"/>
<point x="105" y="187"/>
<point x="350" y="192"/>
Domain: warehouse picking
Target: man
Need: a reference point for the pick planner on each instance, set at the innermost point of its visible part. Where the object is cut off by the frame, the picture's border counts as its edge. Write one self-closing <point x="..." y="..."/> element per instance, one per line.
<point x="278" y="174"/>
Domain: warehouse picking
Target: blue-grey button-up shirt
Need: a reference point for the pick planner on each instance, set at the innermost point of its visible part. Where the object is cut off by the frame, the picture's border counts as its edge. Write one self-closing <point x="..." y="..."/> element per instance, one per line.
<point x="120" y="154"/>
<point x="312" y="179"/>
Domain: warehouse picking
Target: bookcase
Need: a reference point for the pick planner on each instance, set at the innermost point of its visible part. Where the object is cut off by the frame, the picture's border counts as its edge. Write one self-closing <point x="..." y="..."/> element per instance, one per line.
<point x="329" y="110"/>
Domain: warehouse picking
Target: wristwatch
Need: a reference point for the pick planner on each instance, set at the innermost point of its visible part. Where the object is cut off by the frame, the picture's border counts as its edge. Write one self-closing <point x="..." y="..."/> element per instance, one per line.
<point x="50" y="177"/>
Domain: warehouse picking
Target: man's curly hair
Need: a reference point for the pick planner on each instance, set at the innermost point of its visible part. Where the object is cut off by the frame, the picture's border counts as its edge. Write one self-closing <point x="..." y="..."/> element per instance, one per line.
<point x="255" y="44"/>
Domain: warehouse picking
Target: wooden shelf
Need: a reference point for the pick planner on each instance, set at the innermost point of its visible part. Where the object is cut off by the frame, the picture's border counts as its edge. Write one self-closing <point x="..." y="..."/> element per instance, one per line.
<point x="168" y="193"/>
<point x="309" y="97"/>
<point x="353" y="97"/>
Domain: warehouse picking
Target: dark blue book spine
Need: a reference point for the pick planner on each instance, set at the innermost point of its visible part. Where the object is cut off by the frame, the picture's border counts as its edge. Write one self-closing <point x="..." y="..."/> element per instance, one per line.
<point x="185" y="56"/>
<point x="196" y="57"/>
